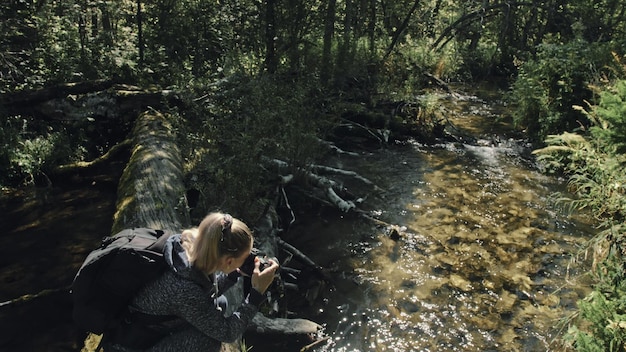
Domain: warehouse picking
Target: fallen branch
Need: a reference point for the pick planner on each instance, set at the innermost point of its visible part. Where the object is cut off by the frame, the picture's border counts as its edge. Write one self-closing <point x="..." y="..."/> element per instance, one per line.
<point x="314" y="344"/>
<point x="381" y="135"/>
<point x="336" y="149"/>
<point x="327" y="185"/>
<point x="342" y="172"/>
<point x="288" y="206"/>
<point x="438" y="81"/>
<point x="395" y="232"/>
<point x="299" y="255"/>
<point x="124" y="145"/>
<point x="30" y="297"/>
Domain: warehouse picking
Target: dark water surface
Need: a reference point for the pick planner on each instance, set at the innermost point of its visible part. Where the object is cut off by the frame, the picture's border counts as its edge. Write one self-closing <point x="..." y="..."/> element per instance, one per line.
<point x="47" y="233"/>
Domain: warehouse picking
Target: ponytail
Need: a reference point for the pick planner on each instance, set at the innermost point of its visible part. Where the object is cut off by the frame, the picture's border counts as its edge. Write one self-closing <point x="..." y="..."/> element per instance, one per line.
<point x="218" y="234"/>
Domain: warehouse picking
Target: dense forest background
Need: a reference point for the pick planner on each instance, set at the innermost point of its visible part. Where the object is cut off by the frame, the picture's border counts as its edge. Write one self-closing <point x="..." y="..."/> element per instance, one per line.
<point x="245" y="80"/>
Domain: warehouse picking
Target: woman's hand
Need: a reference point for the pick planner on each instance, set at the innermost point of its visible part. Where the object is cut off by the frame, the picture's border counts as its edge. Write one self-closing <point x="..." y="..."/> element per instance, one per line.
<point x="261" y="280"/>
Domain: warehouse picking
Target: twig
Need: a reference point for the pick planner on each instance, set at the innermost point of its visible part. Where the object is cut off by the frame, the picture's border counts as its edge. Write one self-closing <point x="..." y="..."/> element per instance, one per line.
<point x="288" y="206"/>
<point x="105" y="157"/>
<point x="314" y="344"/>
<point x="301" y="256"/>
<point x="30" y="297"/>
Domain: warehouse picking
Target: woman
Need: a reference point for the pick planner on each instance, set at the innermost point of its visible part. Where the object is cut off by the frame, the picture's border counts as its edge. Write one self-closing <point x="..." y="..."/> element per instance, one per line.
<point x="204" y="263"/>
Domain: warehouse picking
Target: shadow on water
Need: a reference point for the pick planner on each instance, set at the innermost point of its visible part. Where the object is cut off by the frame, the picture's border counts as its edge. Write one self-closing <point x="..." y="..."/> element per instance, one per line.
<point x="47" y="233"/>
<point x="485" y="261"/>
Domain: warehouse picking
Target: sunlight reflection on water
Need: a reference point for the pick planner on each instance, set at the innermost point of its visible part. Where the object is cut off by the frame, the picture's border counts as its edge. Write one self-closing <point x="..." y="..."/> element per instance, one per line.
<point x="483" y="263"/>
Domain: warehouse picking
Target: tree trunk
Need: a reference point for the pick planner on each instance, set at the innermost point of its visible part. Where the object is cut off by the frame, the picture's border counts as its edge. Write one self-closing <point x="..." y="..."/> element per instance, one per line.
<point x="102" y="99"/>
<point x="399" y="31"/>
<point x="329" y="31"/>
<point x="271" y="59"/>
<point x="151" y="192"/>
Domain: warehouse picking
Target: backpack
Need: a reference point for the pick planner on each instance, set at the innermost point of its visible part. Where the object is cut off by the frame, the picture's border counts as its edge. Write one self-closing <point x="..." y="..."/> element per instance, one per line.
<point x="112" y="274"/>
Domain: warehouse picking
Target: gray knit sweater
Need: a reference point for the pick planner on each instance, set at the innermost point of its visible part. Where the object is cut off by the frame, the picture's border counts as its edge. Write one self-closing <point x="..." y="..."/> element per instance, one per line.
<point x="188" y="294"/>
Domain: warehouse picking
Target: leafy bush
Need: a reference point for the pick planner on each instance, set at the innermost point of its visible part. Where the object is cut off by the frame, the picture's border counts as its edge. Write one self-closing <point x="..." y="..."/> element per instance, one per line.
<point x="30" y="149"/>
<point x="244" y="121"/>
<point x="604" y="311"/>
<point x="23" y="156"/>
<point x="551" y="84"/>
<point x="594" y="164"/>
<point x="610" y="117"/>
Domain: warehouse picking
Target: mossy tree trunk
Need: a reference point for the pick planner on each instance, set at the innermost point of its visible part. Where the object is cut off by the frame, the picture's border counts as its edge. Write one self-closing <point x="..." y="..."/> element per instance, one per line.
<point x="151" y="192"/>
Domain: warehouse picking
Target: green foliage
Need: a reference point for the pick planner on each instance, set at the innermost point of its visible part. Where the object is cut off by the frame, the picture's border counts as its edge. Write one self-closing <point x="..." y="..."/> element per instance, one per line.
<point x="15" y="24"/>
<point x="610" y="117"/>
<point x="402" y="75"/>
<point x="24" y="157"/>
<point x="597" y="178"/>
<point x="244" y="121"/>
<point x="477" y="63"/>
<point x="548" y="86"/>
<point x="9" y="133"/>
<point x="58" y="53"/>
<point x="244" y="346"/>
<point x="184" y="37"/>
<point x="603" y="311"/>
<point x="595" y="167"/>
<point x="30" y="149"/>
<point x="594" y="164"/>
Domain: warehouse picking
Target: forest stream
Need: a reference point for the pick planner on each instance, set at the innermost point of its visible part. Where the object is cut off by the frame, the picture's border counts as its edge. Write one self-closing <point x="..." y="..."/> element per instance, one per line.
<point x="483" y="261"/>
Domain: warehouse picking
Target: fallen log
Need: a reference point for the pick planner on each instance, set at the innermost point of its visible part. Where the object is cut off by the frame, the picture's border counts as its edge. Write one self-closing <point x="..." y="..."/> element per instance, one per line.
<point x="94" y="100"/>
<point x="151" y="192"/>
<point x="34" y="97"/>
<point x="262" y="324"/>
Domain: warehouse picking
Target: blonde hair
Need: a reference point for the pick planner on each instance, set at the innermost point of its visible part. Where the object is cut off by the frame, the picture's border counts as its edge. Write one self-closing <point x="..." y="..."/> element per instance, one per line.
<point x="217" y="235"/>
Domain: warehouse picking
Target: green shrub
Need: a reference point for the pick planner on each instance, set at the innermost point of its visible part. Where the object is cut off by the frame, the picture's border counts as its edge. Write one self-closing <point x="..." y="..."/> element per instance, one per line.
<point x="31" y="149"/>
<point x="548" y="86"/>
<point x="610" y="117"/>
<point x="244" y="121"/>
<point x="603" y="311"/>
<point x="594" y="164"/>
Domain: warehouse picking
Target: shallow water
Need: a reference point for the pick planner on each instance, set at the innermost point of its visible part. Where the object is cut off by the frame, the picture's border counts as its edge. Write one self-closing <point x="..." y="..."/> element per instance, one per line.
<point x="484" y="260"/>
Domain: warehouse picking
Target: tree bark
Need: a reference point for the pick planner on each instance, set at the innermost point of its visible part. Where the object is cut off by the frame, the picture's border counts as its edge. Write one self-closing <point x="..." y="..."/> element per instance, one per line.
<point x="399" y="31"/>
<point x="271" y="59"/>
<point x="329" y="31"/>
<point x="151" y="192"/>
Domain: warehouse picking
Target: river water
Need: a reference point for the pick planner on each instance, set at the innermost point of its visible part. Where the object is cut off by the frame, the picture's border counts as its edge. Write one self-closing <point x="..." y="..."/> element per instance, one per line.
<point x="484" y="261"/>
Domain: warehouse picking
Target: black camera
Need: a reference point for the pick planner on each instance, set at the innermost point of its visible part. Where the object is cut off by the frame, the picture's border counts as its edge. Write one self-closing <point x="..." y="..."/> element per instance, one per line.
<point x="248" y="265"/>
